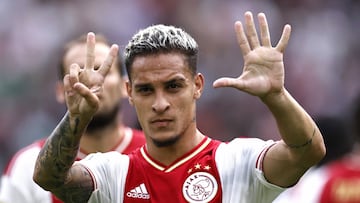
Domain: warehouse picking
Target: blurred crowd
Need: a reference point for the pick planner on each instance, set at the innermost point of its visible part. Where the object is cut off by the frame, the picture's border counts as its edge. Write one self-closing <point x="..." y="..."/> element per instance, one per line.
<point x="321" y="61"/>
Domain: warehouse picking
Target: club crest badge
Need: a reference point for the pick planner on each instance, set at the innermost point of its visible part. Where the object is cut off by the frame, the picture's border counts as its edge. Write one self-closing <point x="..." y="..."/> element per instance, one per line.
<point x="200" y="187"/>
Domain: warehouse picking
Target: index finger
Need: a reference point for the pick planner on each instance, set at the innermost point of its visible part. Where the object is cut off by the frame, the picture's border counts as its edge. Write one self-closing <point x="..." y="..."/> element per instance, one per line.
<point x="110" y="59"/>
<point x="241" y="38"/>
<point x="90" y="50"/>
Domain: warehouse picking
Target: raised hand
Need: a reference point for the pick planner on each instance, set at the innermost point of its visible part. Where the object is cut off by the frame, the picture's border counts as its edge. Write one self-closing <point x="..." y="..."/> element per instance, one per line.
<point x="263" y="71"/>
<point x="83" y="86"/>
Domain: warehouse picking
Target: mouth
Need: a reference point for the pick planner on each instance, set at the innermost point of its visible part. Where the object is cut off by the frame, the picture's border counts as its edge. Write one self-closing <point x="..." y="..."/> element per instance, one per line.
<point x="160" y="123"/>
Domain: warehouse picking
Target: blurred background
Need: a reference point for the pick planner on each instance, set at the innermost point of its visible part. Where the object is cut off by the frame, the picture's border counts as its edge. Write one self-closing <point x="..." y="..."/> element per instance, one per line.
<point x="321" y="61"/>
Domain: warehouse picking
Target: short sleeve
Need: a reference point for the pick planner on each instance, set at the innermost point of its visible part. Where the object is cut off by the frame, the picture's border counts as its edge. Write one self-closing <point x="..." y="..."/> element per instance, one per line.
<point x="239" y="165"/>
<point x="108" y="171"/>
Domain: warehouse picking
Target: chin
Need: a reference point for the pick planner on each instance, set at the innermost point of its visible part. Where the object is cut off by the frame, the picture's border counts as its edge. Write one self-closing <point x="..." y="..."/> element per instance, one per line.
<point x="102" y="120"/>
<point x="166" y="142"/>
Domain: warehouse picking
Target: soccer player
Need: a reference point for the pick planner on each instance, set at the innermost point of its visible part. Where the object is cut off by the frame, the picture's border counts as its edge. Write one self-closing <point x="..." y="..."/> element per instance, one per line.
<point x="342" y="183"/>
<point x="178" y="162"/>
<point x="106" y="131"/>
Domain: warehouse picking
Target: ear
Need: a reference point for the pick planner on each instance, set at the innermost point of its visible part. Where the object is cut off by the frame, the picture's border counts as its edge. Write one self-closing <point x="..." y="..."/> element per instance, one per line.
<point x="60" y="92"/>
<point x="123" y="90"/>
<point x="128" y="90"/>
<point x="199" y="85"/>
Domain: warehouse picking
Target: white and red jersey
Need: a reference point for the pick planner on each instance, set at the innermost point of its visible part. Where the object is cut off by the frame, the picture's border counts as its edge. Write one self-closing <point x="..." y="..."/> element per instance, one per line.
<point x="343" y="183"/>
<point x="307" y="189"/>
<point x="212" y="172"/>
<point x="17" y="185"/>
<point x="335" y="182"/>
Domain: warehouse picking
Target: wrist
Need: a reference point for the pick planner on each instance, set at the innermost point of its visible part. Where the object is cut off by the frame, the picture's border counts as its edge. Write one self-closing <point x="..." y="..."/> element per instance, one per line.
<point x="78" y="122"/>
<point x="275" y="98"/>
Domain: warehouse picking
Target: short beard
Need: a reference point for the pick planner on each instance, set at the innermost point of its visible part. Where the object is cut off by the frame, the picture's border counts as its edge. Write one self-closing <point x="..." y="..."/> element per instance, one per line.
<point x="100" y="121"/>
<point x="166" y="143"/>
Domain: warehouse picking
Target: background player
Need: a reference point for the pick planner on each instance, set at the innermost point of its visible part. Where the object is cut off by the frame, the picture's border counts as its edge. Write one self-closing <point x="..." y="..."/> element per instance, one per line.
<point x="106" y="131"/>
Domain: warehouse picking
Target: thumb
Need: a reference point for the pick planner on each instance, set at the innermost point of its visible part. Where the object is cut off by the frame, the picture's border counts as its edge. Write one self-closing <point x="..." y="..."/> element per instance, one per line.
<point x="229" y="82"/>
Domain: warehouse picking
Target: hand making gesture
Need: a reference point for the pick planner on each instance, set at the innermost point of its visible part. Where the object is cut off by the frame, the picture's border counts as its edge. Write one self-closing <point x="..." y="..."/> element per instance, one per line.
<point x="263" y="71"/>
<point x="83" y="85"/>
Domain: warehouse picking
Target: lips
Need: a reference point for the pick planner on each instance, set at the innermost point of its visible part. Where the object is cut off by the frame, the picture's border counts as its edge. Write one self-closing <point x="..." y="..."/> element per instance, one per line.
<point x="160" y="122"/>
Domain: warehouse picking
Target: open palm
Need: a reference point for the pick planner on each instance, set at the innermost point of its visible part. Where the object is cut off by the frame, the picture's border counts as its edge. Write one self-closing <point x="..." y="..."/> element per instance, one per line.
<point x="263" y="71"/>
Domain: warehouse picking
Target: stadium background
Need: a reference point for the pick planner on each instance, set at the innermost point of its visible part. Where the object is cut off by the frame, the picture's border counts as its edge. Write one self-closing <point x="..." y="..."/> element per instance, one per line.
<point x="322" y="59"/>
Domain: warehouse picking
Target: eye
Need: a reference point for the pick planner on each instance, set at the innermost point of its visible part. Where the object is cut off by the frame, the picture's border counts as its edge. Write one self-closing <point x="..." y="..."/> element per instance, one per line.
<point x="174" y="87"/>
<point x="144" y="90"/>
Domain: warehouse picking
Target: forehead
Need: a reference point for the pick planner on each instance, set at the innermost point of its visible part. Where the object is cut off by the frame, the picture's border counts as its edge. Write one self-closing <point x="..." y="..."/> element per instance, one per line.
<point x="77" y="54"/>
<point x="159" y="67"/>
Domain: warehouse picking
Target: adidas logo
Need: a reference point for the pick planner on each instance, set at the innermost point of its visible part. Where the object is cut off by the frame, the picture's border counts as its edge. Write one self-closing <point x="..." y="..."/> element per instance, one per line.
<point x="139" y="192"/>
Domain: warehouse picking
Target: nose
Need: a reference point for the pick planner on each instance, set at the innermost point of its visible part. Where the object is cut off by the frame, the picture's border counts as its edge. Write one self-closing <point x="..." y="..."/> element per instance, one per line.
<point x="160" y="103"/>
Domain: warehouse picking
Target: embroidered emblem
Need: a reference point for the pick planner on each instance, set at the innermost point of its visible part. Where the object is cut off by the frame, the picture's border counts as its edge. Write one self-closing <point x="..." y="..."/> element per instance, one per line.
<point x="200" y="187"/>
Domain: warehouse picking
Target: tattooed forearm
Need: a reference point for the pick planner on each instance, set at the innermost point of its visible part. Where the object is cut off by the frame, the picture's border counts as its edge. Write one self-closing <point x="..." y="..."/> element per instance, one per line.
<point x="77" y="121"/>
<point x="79" y="186"/>
<point x="53" y="166"/>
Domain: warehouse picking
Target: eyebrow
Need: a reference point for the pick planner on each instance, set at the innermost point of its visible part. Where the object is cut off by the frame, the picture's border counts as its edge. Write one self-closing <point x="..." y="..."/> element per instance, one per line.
<point x="176" y="79"/>
<point x="139" y="86"/>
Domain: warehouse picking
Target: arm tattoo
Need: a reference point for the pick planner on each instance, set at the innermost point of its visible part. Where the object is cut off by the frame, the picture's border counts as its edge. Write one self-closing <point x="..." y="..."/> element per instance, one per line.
<point x="54" y="168"/>
<point x="309" y="141"/>
<point x="77" y="189"/>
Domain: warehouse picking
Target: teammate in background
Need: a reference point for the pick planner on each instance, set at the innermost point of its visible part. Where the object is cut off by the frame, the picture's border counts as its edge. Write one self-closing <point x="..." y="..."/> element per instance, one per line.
<point x="178" y="162"/>
<point x="339" y="142"/>
<point x="343" y="182"/>
<point x="105" y="132"/>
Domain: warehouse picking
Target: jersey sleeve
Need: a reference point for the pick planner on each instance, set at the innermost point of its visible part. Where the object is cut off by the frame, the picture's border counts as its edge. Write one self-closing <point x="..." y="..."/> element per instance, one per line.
<point x="301" y="192"/>
<point x="108" y="171"/>
<point x="17" y="185"/>
<point x="239" y="163"/>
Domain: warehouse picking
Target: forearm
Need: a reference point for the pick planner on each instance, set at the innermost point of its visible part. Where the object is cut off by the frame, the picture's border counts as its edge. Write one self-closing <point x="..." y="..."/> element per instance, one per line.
<point x="58" y="153"/>
<point x="294" y="124"/>
<point x="296" y="127"/>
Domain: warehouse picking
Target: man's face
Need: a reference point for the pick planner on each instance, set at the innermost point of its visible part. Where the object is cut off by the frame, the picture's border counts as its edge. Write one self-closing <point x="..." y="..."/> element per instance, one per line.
<point x="164" y="94"/>
<point x="112" y="91"/>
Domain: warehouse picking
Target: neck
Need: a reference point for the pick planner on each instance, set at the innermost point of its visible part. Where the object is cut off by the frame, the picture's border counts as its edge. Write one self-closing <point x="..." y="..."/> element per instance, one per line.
<point x="104" y="139"/>
<point x="167" y="155"/>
